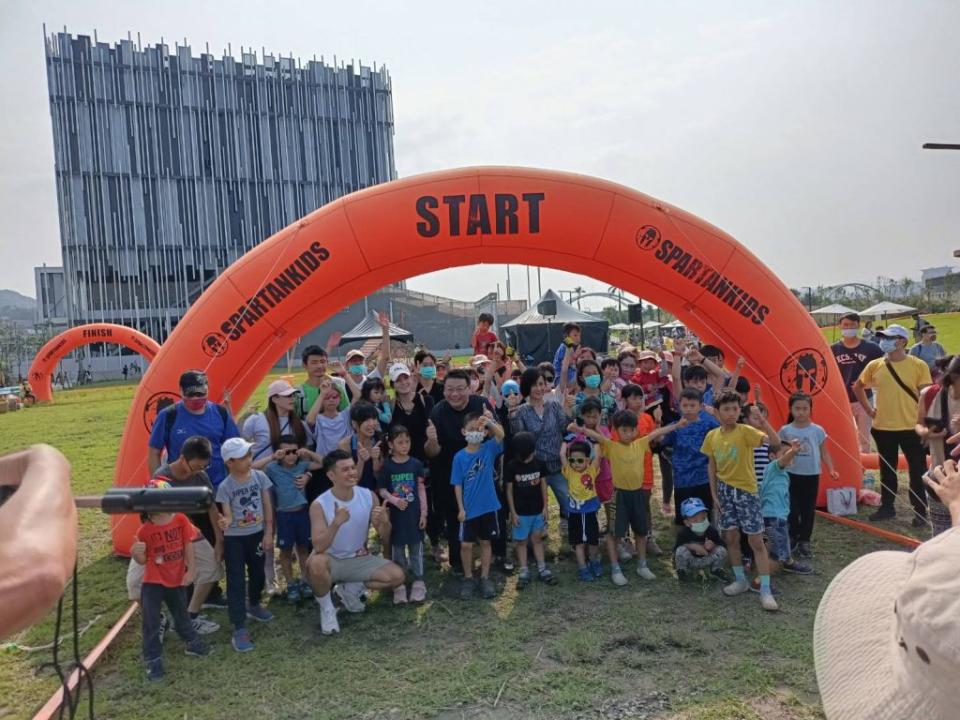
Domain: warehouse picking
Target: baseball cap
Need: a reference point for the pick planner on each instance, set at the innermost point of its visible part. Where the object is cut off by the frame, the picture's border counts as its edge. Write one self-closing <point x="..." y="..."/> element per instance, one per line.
<point x="397" y="370"/>
<point x="355" y="353"/>
<point x="894" y="331"/>
<point x="235" y="448"/>
<point x="646" y="355"/>
<point x="281" y="388"/>
<point x="692" y="506"/>
<point x="193" y="381"/>
<point x="510" y="387"/>
<point x="667" y="355"/>
<point x="478" y="360"/>
<point x="886" y="639"/>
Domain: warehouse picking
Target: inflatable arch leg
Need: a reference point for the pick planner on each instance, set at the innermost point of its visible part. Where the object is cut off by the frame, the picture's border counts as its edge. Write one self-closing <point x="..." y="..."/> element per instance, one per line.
<point x="298" y="278"/>
<point x="43" y="365"/>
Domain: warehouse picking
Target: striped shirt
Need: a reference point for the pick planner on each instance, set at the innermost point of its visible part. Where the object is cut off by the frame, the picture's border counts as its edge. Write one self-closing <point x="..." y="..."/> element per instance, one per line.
<point x="548" y="429"/>
<point x="761" y="458"/>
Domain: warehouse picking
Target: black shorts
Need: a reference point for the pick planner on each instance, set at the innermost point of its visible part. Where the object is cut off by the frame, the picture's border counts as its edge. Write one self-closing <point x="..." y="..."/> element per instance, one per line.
<point x="697" y="491"/>
<point x="632" y="512"/>
<point x="583" y="528"/>
<point x="482" y="527"/>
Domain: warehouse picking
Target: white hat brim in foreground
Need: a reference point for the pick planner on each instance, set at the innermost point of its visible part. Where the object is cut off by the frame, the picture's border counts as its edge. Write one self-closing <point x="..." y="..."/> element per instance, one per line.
<point x="854" y="643"/>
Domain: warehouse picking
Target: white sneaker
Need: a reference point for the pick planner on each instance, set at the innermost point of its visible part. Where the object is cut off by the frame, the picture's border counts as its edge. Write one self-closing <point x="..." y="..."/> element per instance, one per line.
<point x="350" y="597"/>
<point x="619" y="579"/>
<point x="400" y="595"/>
<point x="328" y="619"/>
<point x="645" y="572"/>
<point x="767" y="602"/>
<point x="204" y="626"/>
<point x="737" y="587"/>
<point x="273" y="589"/>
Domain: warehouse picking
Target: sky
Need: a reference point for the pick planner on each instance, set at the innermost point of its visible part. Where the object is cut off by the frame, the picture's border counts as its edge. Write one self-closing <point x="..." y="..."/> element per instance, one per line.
<point x="795" y="127"/>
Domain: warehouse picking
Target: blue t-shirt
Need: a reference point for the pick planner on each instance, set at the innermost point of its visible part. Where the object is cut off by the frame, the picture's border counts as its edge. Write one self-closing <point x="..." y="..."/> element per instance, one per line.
<point x="474" y="472"/>
<point x="775" y="492"/>
<point x="210" y="425"/>
<point x="689" y="464"/>
<point x="807" y="461"/>
<point x="289" y="496"/>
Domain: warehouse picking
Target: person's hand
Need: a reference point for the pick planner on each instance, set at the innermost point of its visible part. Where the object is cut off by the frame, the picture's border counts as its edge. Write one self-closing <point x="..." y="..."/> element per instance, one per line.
<point x="333" y="340"/>
<point x="376" y="515"/>
<point x="515" y="519"/>
<point x="708" y="545"/>
<point x="872" y="412"/>
<point x="461" y="516"/>
<point x="574" y="428"/>
<point x="682" y="423"/>
<point x="796" y="444"/>
<point x="741" y="361"/>
<point x="423" y="520"/>
<point x="304" y="454"/>
<point x="138" y="548"/>
<point x="431" y="431"/>
<point x="400" y="503"/>
<point x="223" y="522"/>
<point x="187" y="577"/>
<point x="301" y="481"/>
<point x="341" y="515"/>
<point x="278" y="455"/>
<point x="695" y="357"/>
<point x="700" y="551"/>
<point x="267" y="542"/>
<point x="363" y="453"/>
<point x="383" y="320"/>
<point x="944" y="480"/>
<point x="227" y="397"/>
<point x="375" y="453"/>
<point x="834" y="474"/>
<point x="658" y="414"/>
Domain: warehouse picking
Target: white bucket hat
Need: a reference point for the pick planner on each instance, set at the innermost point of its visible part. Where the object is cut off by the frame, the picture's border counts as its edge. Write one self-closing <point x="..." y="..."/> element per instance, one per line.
<point x="886" y="640"/>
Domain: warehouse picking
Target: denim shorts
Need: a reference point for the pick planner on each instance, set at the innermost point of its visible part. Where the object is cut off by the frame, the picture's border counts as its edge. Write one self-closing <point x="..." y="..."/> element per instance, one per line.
<point x="739" y="509"/>
<point x="529" y="524"/>
<point x="778" y="535"/>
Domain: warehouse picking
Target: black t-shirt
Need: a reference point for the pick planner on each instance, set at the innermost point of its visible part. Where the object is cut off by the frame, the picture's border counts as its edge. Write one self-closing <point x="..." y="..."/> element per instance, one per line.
<point x="687" y="536"/>
<point x="416" y="422"/>
<point x="449" y="424"/>
<point x="401" y="480"/>
<point x="852" y="361"/>
<point x="435" y="392"/>
<point x="201" y="519"/>
<point x="526" y="479"/>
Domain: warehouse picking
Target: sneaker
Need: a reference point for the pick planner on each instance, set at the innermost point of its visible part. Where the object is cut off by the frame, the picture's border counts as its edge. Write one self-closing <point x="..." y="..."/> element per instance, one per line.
<point x="652" y="547"/>
<point x="155" y="670"/>
<point x="767" y="602"/>
<point x="508" y="565"/>
<point x="306" y="592"/>
<point x="585" y="575"/>
<point x="547" y="577"/>
<point x="349" y="598"/>
<point x="241" y="640"/>
<point x="798" y="568"/>
<point x="919" y="522"/>
<point x="164" y="626"/>
<point x="884" y="513"/>
<point x="523" y="578"/>
<point x="596" y="567"/>
<point x="467" y="589"/>
<point x="720" y="574"/>
<point x="487" y="588"/>
<point x="328" y="619"/>
<point x="645" y="572"/>
<point x="259" y="613"/>
<point x="204" y="626"/>
<point x="624" y="551"/>
<point x="293" y="593"/>
<point x="400" y="595"/>
<point x="804" y="550"/>
<point x="737" y="587"/>
<point x="682" y="575"/>
<point x="215" y="603"/>
<point x="618" y="578"/>
<point x="418" y="591"/>
<point x="198" y="648"/>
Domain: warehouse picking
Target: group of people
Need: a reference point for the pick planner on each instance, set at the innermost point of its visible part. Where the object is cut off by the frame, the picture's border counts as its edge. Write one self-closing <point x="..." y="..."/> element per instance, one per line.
<point x="353" y="473"/>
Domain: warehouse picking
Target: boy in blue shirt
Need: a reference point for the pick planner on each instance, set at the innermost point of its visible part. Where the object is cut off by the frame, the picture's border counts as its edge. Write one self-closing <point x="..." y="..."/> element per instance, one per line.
<point x="775" y="507"/>
<point x="473" y="485"/>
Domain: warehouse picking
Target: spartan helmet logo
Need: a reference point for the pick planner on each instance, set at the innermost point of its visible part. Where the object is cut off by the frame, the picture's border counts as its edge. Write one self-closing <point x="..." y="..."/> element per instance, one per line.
<point x="215" y="345"/>
<point x="648" y="238"/>
<point x="804" y="371"/>
<point x="155" y="403"/>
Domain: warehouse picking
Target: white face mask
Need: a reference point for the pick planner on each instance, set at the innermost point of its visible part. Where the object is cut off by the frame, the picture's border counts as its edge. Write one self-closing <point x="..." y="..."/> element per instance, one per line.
<point x="700" y="527"/>
<point x="475" y="437"/>
<point x="849" y="332"/>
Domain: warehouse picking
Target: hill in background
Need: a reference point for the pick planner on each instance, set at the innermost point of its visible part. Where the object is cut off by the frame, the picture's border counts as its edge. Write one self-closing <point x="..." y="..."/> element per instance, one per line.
<point x="17" y="307"/>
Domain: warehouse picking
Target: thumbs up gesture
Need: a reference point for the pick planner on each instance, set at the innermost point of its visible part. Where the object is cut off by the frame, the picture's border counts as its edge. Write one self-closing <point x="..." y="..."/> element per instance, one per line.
<point x="341" y="515"/>
<point x="431" y="431"/>
<point x="363" y="454"/>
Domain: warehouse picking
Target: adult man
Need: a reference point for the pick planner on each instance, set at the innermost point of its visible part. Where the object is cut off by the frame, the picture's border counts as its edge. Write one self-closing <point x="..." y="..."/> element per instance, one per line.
<point x="356" y="361"/>
<point x="852" y="355"/>
<point x="571" y="341"/>
<point x="898" y="379"/>
<point x="928" y="349"/>
<point x="193" y="415"/>
<point x="315" y="361"/>
<point x="340" y="521"/>
<point x="444" y="440"/>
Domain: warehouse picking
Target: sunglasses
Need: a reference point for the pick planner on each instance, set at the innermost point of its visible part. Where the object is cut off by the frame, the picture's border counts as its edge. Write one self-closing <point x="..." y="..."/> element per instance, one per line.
<point x="577" y="461"/>
<point x="196" y="394"/>
<point x="290" y="452"/>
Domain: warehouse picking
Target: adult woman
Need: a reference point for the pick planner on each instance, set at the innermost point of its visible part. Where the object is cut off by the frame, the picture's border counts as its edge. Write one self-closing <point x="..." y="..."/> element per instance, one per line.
<point x="429" y="382"/>
<point x="547" y="421"/>
<point x="868" y="333"/>
<point x="936" y="425"/>
<point x="264" y="429"/>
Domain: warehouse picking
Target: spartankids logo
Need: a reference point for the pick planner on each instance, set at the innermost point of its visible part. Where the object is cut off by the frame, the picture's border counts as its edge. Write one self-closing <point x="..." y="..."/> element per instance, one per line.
<point x="273" y="292"/>
<point x="696" y="270"/>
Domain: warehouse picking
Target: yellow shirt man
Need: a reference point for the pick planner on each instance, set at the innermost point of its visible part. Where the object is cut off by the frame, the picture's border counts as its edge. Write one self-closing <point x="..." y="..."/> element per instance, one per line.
<point x="626" y="461"/>
<point x="732" y="451"/>
<point x="896" y="410"/>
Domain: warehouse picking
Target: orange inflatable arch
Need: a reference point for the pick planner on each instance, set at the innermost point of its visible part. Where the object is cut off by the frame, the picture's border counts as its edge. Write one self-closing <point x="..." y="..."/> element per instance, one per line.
<point x="298" y="278"/>
<point x="45" y="362"/>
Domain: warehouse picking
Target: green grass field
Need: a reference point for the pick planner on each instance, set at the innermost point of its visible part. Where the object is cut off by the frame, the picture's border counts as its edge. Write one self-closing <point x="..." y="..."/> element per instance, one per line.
<point x="659" y="649"/>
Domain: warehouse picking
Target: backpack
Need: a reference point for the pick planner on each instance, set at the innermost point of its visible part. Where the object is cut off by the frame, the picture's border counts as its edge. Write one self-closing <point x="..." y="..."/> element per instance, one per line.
<point x="170" y="419"/>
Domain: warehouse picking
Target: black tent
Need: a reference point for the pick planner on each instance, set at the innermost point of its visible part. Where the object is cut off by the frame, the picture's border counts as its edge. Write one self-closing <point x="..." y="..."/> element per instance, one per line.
<point x="538" y="336"/>
<point x="369" y="329"/>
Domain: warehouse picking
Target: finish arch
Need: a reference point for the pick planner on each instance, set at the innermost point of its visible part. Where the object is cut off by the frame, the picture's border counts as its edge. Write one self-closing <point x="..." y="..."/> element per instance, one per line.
<point x="45" y="362"/>
<point x="349" y="248"/>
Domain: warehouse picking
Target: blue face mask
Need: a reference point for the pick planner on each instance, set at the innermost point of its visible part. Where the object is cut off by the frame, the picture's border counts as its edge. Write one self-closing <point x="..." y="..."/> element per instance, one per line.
<point x="887" y="345"/>
<point x="849" y="332"/>
<point x="592" y="381"/>
<point x="355" y="369"/>
<point x="429" y="372"/>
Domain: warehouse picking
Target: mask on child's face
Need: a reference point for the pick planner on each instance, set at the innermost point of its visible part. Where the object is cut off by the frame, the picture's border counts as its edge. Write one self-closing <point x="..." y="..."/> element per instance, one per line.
<point x="475" y="437"/>
<point x="592" y="381"/>
<point x="429" y="372"/>
<point x="700" y="527"/>
<point x="849" y="332"/>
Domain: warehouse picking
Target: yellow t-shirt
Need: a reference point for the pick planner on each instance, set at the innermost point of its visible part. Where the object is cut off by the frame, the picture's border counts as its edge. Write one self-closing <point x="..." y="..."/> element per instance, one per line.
<point x="733" y="454"/>
<point x="626" y="462"/>
<point x="896" y="410"/>
<point x="581" y="484"/>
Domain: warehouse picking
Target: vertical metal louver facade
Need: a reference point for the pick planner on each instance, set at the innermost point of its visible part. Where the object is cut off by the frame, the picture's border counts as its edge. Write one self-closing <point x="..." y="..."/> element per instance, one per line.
<point x="169" y="166"/>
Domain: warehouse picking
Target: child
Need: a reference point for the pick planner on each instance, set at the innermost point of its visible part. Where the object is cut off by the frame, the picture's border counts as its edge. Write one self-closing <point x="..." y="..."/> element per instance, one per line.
<point x="699" y="545"/>
<point x="580" y="472"/>
<point x="775" y="506"/>
<point x="289" y="470"/>
<point x="627" y="455"/>
<point x="364" y="444"/>
<point x="401" y="485"/>
<point x="805" y="474"/>
<point x="473" y="485"/>
<point x="482" y="336"/>
<point x="647" y="420"/>
<point x="526" y="488"/>
<point x="247" y="524"/>
<point x="164" y="547"/>
<point x="690" y="477"/>
<point x="733" y="487"/>
<point x="374" y="392"/>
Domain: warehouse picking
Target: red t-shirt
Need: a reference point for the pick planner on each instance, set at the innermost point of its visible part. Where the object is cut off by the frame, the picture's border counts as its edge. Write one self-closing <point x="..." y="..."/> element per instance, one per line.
<point x="481" y="341"/>
<point x="165" y="550"/>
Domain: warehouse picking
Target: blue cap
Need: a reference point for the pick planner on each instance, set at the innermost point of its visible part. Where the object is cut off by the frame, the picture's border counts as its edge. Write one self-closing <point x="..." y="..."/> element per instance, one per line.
<point x="692" y="506"/>
<point x="510" y="386"/>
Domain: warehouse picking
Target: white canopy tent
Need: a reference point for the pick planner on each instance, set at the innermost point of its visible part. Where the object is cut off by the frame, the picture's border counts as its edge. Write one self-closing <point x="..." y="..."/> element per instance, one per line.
<point x="835" y="309"/>
<point x="651" y="324"/>
<point x="886" y="308"/>
<point x="674" y="324"/>
<point x="620" y="326"/>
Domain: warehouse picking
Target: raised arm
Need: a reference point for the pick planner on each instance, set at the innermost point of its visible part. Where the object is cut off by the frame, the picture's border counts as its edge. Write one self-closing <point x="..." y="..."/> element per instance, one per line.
<point x="659" y="432"/>
<point x="385" y="351"/>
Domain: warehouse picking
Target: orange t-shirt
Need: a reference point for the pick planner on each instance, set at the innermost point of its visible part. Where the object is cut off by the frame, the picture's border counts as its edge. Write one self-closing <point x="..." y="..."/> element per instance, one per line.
<point x="166" y="550"/>
<point x="645" y="426"/>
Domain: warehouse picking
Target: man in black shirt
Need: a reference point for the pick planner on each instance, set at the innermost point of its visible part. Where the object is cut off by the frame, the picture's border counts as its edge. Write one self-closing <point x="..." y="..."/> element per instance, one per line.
<point x="852" y="355"/>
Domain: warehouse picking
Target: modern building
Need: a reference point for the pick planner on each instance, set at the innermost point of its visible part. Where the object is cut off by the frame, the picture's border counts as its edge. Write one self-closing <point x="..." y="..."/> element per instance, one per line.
<point x="170" y="166"/>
